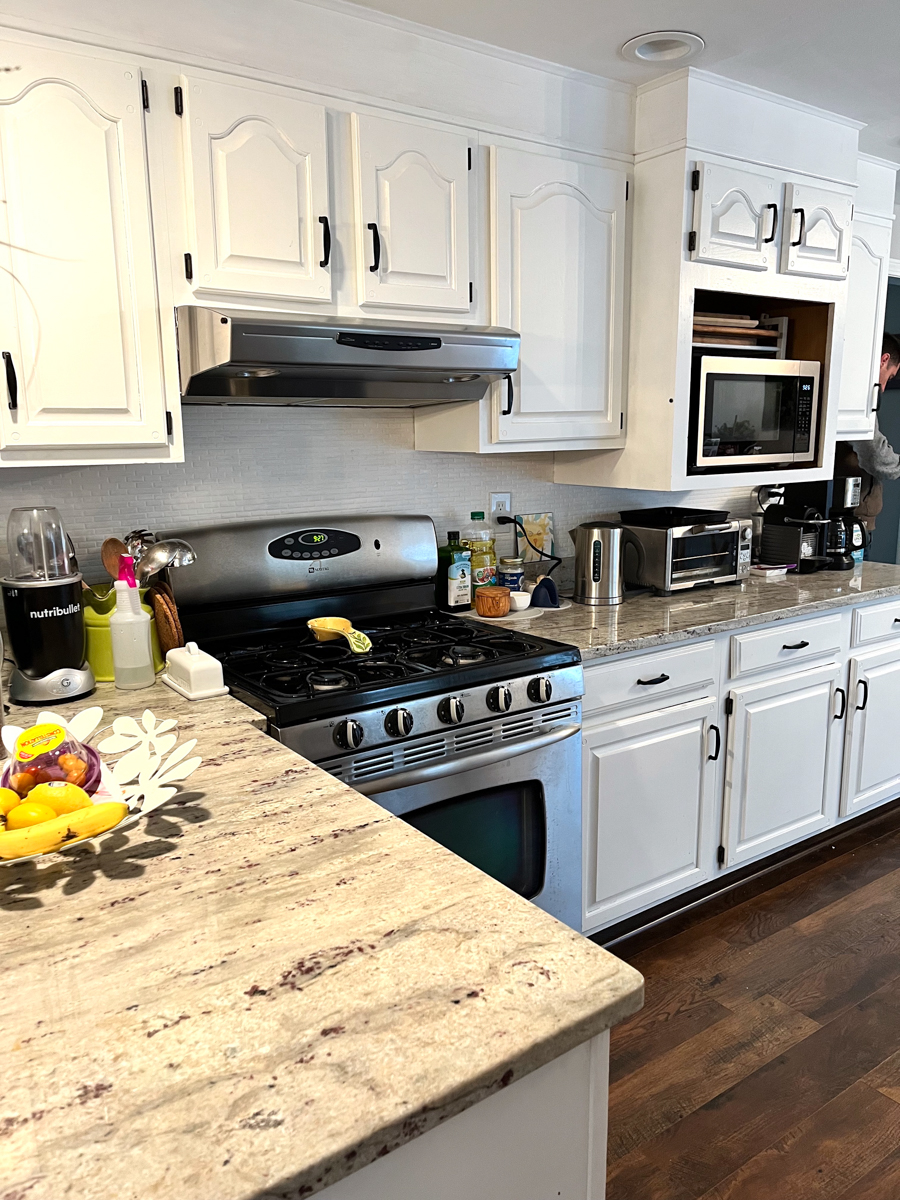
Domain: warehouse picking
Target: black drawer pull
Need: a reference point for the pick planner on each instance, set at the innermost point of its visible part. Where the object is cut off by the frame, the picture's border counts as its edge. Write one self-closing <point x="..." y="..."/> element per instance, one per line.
<point x="376" y="247"/>
<point x="715" y="729"/>
<point x="796" y="646"/>
<point x="843" y="695"/>
<point x="865" y="684"/>
<point x="12" y="384"/>
<point x="653" y="682"/>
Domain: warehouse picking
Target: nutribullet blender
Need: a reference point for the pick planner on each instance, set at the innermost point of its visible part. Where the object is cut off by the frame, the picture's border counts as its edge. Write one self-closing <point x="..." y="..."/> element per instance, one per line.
<point x="42" y="602"/>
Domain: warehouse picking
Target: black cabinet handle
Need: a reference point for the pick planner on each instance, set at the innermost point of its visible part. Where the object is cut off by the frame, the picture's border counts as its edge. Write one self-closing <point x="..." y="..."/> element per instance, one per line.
<point x="326" y="242"/>
<point x="376" y="246"/>
<point x="510" y="397"/>
<point x="12" y="384"/>
<point x="802" y="213"/>
<point x="715" y="729"/>
<point x="771" y="237"/>
<point x="843" y="695"/>
<point x="876" y="403"/>
<point x="652" y="682"/>
<point x="865" y="684"/>
<point x="897" y="620"/>
<point x="796" y="646"/>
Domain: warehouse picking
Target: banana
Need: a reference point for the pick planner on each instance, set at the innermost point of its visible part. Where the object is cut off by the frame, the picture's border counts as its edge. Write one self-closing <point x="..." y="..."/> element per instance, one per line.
<point x="63" y="831"/>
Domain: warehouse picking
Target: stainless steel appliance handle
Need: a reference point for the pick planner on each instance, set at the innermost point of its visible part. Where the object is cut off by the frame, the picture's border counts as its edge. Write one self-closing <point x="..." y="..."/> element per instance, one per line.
<point x="468" y="762"/>
<point x="726" y="528"/>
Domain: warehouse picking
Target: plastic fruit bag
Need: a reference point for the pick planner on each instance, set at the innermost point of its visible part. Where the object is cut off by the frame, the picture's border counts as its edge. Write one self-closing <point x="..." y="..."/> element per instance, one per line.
<point x="48" y="753"/>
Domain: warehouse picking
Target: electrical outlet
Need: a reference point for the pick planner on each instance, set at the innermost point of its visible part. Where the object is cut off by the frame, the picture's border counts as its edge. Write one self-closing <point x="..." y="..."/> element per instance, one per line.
<point x="501" y="502"/>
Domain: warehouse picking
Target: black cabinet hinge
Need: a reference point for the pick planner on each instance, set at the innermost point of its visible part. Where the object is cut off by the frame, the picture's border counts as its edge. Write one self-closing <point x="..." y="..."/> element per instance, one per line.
<point x="621" y="420"/>
<point x="729" y="705"/>
<point x="692" y="240"/>
<point x="626" y="191"/>
<point x="720" y="856"/>
<point x="470" y="291"/>
<point x="179" y="102"/>
<point x="188" y="267"/>
<point x="145" y="95"/>
<point x="470" y="158"/>
<point x="695" y="181"/>
<point x="170" y="425"/>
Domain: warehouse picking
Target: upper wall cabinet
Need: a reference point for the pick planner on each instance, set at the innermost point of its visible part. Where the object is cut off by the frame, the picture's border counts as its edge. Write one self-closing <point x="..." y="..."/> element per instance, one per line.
<point x="412" y="215"/>
<point x="735" y="217"/>
<point x="816" y="234"/>
<point x="558" y="278"/>
<point x="79" y="312"/>
<point x="256" y="172"/>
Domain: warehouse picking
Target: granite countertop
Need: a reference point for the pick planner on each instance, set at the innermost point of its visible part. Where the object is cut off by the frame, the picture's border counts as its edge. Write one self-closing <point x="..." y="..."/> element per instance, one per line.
<point x="265" y="986"/>
<point x="643" y="622"/>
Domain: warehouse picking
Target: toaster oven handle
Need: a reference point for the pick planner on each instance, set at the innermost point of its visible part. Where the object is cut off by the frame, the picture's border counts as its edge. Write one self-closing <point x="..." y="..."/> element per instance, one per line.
<point x="467" y="762"/>
<point x="726" y="528"/>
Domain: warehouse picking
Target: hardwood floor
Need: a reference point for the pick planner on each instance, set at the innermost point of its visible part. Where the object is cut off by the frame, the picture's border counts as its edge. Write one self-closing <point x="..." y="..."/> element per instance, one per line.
<point x="765" y="1064"/>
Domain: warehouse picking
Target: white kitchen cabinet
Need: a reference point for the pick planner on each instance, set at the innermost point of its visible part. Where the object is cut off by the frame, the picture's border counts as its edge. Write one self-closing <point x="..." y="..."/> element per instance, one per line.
<point x="782" y="776"/>
<point x="412" y="214"/>
<point x="863" y="329"/>
<point x="649" y="808"/>
<point x="872" y="748"/>
<point x="735" y="217"/>
<point x="558" y="279"/>
<point x="256" y="183"/>
<point x="82" y="340"/>
<point x="815" y="236"/>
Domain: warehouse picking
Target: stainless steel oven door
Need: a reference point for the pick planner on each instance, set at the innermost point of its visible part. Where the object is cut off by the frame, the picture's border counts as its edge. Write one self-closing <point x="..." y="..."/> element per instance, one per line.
<point x="513" y="810"/>
<point x="756" y="411"/>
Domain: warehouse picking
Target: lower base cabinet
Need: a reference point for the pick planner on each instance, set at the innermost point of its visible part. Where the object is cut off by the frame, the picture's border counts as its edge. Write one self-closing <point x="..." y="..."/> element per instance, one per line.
<point x="872" y="746"/>
<point x="782" y="778"/>
<point x="649" y="808"/>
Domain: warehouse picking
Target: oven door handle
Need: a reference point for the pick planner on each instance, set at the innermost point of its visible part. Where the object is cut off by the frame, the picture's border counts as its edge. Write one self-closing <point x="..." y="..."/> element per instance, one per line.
<point x="468" y="762"/>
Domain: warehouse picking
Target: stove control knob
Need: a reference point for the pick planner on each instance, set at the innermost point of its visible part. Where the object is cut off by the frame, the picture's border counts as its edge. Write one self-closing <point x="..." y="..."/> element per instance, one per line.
<point x="499" y="699"/>
<point x="349" y="734"/>
<point x="399" y="722"/>
<point x="451" y="710"/>
<point x="540" y="689"/>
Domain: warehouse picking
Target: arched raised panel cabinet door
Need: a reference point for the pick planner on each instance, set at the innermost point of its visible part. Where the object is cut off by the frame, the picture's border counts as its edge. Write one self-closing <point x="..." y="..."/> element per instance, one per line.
<point x="256" y="164"/>
<point x="867" y="285"/>
<point x="871" y="747"/>
<point x="557" y="277"/>
<point x="736" y="217"/>
<point x="78" y="302"/>
<point x="648" y="789"/>
<point x="782" y="777"/>
<point x="412" y="214"/>
<point x="815" y="233"/>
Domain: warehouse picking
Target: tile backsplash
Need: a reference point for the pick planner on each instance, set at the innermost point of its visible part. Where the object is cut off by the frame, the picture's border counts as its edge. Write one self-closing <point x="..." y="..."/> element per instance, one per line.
<point x="243" y="463"/>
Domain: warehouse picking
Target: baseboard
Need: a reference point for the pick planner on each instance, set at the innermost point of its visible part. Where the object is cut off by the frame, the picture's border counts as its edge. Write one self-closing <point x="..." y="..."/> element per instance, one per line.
<point x="664" y="920"/>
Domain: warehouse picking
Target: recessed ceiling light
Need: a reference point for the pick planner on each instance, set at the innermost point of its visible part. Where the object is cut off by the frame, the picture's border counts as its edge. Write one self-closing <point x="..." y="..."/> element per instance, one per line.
<point x="667" y="46"/>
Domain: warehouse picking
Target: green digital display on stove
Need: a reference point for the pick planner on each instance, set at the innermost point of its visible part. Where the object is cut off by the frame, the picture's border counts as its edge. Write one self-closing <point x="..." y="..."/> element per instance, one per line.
<point x="314" y="539"/>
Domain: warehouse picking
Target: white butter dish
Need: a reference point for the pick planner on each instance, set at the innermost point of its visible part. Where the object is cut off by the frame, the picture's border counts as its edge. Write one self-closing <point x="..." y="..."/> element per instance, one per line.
<point x="193" y="673"/>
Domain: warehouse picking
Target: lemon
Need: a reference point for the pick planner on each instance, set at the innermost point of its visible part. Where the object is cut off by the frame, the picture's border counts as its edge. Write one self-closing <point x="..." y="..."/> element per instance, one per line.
<point x="62" y="797"/>
<point x="28" y="813"/>
<point x="8" y="799"/>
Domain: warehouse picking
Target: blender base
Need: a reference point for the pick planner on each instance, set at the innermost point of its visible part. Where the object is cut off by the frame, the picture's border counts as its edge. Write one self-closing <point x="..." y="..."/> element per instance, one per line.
<point x="67" y="683"/>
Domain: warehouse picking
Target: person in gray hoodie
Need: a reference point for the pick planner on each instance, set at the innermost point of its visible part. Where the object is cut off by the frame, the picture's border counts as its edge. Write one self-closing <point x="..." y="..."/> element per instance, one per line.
<point x="875" y="460"/>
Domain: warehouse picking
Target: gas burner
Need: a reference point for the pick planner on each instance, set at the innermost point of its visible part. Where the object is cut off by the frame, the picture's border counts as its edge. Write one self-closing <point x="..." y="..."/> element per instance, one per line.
<point x="286" y="683"/>
<point x="285" y="657"/>
<point x="418" y="639"/>
<point x="327" y="652"/>
<point x="328" y="681"/>
<point x="462" y="656"/>
<point x="370" y="672"/>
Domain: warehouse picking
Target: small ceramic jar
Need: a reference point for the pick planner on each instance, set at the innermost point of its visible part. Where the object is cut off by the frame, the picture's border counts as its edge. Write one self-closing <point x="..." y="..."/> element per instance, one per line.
<point x="492" y="601"/>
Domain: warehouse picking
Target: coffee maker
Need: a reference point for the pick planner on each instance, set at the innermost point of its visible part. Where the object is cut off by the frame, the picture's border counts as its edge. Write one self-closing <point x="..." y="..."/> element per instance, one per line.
<point x="44" y="618"/>
<point x="835" y="498"/>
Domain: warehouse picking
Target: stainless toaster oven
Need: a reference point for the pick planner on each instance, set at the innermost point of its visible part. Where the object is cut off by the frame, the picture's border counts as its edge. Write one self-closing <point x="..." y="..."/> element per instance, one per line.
<point x="688" y="555"/>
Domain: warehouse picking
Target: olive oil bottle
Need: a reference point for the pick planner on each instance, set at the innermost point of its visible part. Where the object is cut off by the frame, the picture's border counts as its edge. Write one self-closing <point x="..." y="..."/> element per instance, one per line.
<point x="454" y="577"/>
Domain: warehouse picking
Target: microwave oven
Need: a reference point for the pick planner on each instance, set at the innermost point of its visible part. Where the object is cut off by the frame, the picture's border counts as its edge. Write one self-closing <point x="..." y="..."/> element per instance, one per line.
<point x="751" y="412"/>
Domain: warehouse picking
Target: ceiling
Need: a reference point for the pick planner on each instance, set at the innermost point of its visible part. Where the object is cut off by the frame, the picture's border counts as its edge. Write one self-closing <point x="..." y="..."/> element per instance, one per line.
<point x="838" y="55"/>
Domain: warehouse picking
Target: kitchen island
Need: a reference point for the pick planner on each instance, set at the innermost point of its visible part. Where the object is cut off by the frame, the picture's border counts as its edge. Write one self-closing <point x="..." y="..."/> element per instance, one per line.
<point x="267" y="985"/>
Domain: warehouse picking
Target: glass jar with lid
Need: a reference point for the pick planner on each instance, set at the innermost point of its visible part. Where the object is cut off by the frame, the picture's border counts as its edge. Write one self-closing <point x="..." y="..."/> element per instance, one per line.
<point x="511" y="573"/>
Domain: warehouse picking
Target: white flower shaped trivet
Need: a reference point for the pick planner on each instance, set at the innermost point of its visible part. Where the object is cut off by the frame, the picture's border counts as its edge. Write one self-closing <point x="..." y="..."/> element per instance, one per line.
<point x="141" y="778"/>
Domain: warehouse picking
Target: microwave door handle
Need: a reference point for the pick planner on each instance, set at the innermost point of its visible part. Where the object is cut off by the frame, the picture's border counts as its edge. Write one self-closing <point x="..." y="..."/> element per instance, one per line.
<point x="467" y="762"/>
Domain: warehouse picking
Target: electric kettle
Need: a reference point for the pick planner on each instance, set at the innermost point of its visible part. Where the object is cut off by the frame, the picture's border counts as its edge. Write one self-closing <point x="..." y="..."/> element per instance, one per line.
<point x="598" y="562"/>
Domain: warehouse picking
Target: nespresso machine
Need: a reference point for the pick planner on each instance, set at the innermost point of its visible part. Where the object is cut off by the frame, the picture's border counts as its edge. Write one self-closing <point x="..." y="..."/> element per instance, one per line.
<point x="835" y="499"/>
<point x="795" y="533"/>
<point x="42" y="602"/>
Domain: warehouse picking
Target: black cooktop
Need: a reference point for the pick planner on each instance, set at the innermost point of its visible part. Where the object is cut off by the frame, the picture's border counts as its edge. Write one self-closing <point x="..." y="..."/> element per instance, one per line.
<point x="290" y="676"/>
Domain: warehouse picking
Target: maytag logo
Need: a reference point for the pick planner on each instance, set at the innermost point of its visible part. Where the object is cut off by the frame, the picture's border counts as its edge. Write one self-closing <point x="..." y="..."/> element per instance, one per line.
<point x="40" y="614"/>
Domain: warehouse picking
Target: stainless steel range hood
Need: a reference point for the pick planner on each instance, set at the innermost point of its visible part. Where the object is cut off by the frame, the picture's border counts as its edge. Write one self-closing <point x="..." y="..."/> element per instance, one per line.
<point x="231" y="357"/>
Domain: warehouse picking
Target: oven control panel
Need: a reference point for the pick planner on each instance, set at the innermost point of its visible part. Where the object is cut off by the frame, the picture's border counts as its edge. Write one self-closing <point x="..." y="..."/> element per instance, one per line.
<point x="314" y="543"/>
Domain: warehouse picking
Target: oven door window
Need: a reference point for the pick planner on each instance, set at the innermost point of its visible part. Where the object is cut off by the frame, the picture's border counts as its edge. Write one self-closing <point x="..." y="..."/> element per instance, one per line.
<point x="701" y="556"/>
<point x="746" y="416"/>
<point x="501" y="830"/>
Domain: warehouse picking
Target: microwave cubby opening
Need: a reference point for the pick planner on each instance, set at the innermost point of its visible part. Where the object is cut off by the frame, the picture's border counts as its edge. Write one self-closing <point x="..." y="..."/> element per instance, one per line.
<point x="800" y="326"/>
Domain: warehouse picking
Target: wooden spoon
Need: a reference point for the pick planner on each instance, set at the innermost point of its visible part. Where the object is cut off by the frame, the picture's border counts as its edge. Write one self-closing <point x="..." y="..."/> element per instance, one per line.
<point x="110" y="552"/>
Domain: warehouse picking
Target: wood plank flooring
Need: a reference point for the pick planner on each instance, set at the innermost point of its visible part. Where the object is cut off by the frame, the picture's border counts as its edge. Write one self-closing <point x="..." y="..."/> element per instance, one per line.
<point x="765" y="1064"/>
